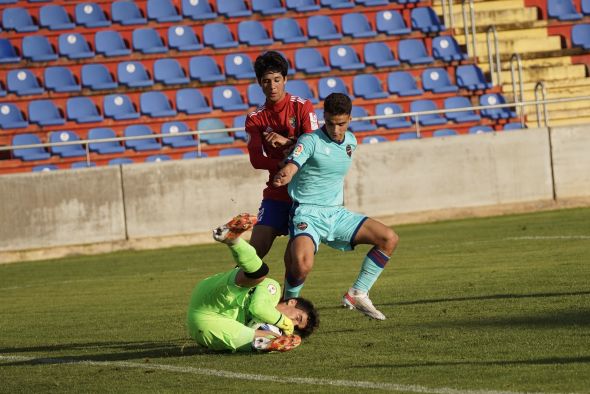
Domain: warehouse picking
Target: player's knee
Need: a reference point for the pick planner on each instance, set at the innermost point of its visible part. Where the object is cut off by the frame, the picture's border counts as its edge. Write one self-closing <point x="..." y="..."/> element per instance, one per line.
<point x="388" y="241"/>
<point x="302" y="263"/>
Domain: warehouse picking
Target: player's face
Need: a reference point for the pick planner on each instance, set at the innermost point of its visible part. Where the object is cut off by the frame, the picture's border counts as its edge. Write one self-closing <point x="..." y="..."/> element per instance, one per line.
<point x="298" y="317"/>
<point x="336" y="125"/>
<point x="273" y="86"/>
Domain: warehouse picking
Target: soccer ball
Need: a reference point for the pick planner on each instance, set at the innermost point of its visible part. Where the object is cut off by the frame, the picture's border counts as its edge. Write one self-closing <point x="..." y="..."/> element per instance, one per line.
<point x="266" y="327"/>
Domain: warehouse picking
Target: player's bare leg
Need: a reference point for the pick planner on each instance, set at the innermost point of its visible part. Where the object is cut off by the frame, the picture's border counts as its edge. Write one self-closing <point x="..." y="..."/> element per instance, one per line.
<point x="299" y="265"/>
<point x="262" y="239"/>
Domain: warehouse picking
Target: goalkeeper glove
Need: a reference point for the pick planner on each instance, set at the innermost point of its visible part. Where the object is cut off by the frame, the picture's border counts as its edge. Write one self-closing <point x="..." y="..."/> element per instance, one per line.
<point x="286" y="325"/>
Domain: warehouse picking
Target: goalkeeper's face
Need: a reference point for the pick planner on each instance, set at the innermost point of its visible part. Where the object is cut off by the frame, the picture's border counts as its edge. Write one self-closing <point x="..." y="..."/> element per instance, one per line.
<point x="298" y="317"/>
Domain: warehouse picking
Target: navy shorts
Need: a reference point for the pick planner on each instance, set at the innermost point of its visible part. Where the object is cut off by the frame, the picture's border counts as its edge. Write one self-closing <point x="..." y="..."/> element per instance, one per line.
<point x="275" y="214"/>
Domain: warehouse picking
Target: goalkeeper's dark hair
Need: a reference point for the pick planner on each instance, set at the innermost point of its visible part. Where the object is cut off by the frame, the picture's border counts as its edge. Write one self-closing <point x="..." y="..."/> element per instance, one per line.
<point x="313" y="317"/>
<point x="270" y="61"/>
<point x="337" y="104"/>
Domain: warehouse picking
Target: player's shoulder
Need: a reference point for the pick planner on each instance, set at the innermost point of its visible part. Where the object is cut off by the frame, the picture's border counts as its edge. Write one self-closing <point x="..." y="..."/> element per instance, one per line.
<point x="254" y="114"/>
<point x="350" y="137"/>
<point x="303" y="104"/>
<point x="270" y="286"/>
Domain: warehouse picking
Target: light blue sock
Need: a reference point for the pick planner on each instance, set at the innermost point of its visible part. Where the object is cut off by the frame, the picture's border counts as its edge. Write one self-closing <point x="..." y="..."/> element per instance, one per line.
<point x="372" y="266"/>
<point x="292" y="287"/>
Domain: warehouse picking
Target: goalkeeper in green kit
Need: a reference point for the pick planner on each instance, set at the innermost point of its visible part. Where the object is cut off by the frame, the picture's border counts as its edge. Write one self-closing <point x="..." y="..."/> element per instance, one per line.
<point x="223" y="306"/>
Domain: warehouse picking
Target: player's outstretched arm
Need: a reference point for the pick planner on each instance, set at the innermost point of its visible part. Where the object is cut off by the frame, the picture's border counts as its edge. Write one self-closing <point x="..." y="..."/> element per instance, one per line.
<point x="284" y="175"/>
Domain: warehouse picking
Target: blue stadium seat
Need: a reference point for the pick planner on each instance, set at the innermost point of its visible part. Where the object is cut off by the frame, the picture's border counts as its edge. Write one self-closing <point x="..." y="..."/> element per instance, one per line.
<point x="471" y="77"/>
<point x="183" y="38"/>
<point x="302" y="5"/>
<point x="18" y="19"/>
<point x="60" y="79"/>
<point x="44" y="168"/>
<point x="321" y="27"/>
<point x="288" y="31"/>
<point x="357" y="25"/>
<point x="191" y="101"/>
<point x="467" y="115"/>
<point x="110" y="43"/>
<point x="413" y="51"/>
<point x="480" y="129"/>
<point x="301" y="89"/>
<point x="155" y="105"/>
<point x="23" y="82"/>
<point x="11" y="117"/>
<point x="373" y="139"/>
<point x="97" y="77"/>
<point x="74" y="46"/>
<point x="194" y="155"/>
<point x="447" y="49"/>
<point x="253" y="33"/>
<point x="231" y="152"/>
<point x="8" y="53"/>
<point x="105" y="147"/>
<point x="586" y="7"/>
<point x="391" y="22"/>
<point x="2" y="90"/>
<point x="372" y="3"/>
<point x="255" y="95"/>
<point x="91" y="15"/>
<point x="426" y="20"/>
<point x="344" y="57"/>
<point x="157" y="158"/>
<point x="76" y="150"/>
<point x="162" y="11"/>
<point x="217" y="138"/>
<point x="45" y="113"/>
<point x="581" y="35"/>
<point x="368" y="86"/>
<point x="268" y="7"/>
<point x="444" y="133"/>
<point x="437" y="80"/>
<point x="426" y="119"/>
<point x="148" y="41"/>
<point x="310" y="61"/>
<point x="495" y="113"/>
<point x="391" y="123"/>
<point x="360" y="125"/>
<point x="38" y="49"/>
<point x="513" y="126"/>
<point x="240" y="122"/>
<point x="205" y="69"/>
<point x="82" y="110"/>
<point x="328" y="85"/>
<point x="120" y="161"/>
<point x="169" y="72"/>
<point x="379" y="55"/>
<point x="176" y="141"/>
<point x="143" y="144"/>
<point x="127" y="13"/>
<point x="227" y="98"/>
<point x="28" y="154"/>
<point x="239" y="66"/>
<point x="82" y="164"/>
<point x="198" y="10"/>
<point x="119" y="107"/>
<point x="55" y="17"/>
<point x="233" y="8"/>
<point x="403" y="83"/>
<point x="133" y="74"/>
<point x="337" y="4"/>
<point x="218" y="35"/>
<point x="564" y="10"/>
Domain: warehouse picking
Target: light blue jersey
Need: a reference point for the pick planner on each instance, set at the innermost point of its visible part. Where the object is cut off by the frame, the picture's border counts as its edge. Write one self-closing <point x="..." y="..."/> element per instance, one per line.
<point x="323" y="163"/>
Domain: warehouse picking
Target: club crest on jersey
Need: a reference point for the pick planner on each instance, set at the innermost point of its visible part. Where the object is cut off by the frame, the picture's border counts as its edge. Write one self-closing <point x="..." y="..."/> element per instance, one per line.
<point x="272" y="289"/>
<point x="349" y="150"/>
<point x="292" y="121"/>
<point x="297" y="151"/>
<point x="302" y="226"/>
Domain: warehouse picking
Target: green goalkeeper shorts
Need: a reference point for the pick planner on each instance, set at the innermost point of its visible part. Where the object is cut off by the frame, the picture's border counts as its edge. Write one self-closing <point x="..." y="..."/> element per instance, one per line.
<point x="218" y="332"/>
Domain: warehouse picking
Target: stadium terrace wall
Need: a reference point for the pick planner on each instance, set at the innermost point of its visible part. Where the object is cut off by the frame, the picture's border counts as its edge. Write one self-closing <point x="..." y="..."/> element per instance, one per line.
<point x="150" y="205"/>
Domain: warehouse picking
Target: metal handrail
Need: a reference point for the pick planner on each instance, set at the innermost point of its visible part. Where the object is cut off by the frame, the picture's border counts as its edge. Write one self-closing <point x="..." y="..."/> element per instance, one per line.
<point x="466" y="27"/>
<point x="543" y="89"/>
<point x="449" y="20"/>
<point x="520" y="97"/>
<point x="495" y="67"/>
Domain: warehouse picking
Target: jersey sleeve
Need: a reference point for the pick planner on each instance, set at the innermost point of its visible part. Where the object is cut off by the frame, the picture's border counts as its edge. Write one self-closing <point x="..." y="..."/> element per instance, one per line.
<point x="255" y="150"/>
<point x="308" y="118"/>
<point x="264" y="300"/>
<point x="303" y="150"/>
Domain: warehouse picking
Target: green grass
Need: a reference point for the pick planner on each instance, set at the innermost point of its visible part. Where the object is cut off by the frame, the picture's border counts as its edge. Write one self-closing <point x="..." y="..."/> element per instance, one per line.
<point x="499" y="304"/>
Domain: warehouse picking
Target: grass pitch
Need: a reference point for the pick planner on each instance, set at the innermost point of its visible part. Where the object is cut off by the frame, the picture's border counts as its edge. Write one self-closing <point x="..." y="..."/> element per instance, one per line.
<point x="496" y="305"/>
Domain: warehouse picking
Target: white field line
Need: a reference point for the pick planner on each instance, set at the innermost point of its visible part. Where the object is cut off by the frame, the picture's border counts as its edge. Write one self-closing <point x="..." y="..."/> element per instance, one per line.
<point x="548" y="237"/>
<point x="257" y="377"/>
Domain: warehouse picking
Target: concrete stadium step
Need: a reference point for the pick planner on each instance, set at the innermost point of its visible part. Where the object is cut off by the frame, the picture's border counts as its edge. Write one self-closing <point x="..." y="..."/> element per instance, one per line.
<point x="536" y="74"/>
<point x="532" y="63"/>
<point x="522" y="43"/>
<point x="497" y="17"/>
<point x="562" y="117"/>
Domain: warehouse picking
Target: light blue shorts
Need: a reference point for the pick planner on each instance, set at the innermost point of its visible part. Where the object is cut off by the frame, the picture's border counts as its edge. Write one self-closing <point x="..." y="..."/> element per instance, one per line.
<point x="333" y="226"/>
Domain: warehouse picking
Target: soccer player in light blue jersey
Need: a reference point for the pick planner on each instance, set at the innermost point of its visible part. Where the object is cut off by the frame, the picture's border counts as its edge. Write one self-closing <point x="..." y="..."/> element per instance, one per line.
<point x="315" y="172"/>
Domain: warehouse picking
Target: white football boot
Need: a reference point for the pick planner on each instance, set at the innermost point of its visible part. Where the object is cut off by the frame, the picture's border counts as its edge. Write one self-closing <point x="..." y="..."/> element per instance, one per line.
<point x="359" y="300"/>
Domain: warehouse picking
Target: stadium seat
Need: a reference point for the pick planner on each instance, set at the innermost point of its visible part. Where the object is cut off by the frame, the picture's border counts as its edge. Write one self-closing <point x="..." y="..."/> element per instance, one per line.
<point x="140" y="130"/>
<point x="205" y="69"/>
<point x="514" y="126"/>
<point x="28" y="154"/>
<point x="119" y="107"/>
<point x="231" y="152"/>
<point x="227" y="98"/>
<point x="357" y="25"/>
<point x="310" y="61"/>
<point x="344" y="57"/>
<point x="495" y="113"/>
<point x="288" y="31"/>
<point x="301" y="89"/>
<point x="379" y="55"/>
<point x="104" y="147"/>
<point x="564" y="10"/>
<point x="127" y="13"/>
<point x="390" y="123"/>
<point x="586" y="7"/>
<point x="76" y="150"/>
<point x="413" y="51"/>
<point x="239" y="66"/>
<point x="302" y="5"/>
<point x="23" y="82"/>
<point x="97" y="77"/>
<point x="91" y="15"/>
<point x="426" y="119"/>
<point x="133" y="74"/>
<point x="8" y="53"/>
<point x="170" y="129"/>
<point x="391" y="22"/>
<point x="38" y="49"/>
<point x="373" y="139"/>
<point x="18" y="19"/>
<point x="253" y="33"/>
<point x="60" y="79"/>
<point x="55" y="17"/>
<point x="268" y="7"/>
<point x="191" y="101"/>
<point x="402" y="83"/>
<point x="218" y="35"/>
<point x="217" y="138"/>
<point x="198" y="10"/>
<point x="2" y="90"/>
<point x="479" y="129"/>
<point x="426" y="20"/>
<point x="328" y="85"/>
<point x="437" y="80"/>
<point x="444" y="133"/>
<point x="82" y="110"/>
<point x="120" y="161"/>
<point x="110" y="43"/>
<point x="337" y="4"/>
<point x="581" y="36"/>
<point x="148" y="41"/>
<point x="169" y="72"/>
<point x="11" y="117"/>
<point x="45" y="113"/>
<point x="183" y="38"/>
<point x="467" y="115"/>
<point x="360" y="125"/>
<point x="155" y="105"/>
<point x="471" y="77"/>
<point x="447" y="49"/>
<point x="44" y="168"/>
<point x="368" y="86"/>
<point x="372" y="3"/>
<point x="321" y="27"/>
<point x="233" y="8"/>
<point x="194" y="155"/>
<point x="162" y="11"/>
<point x="82" y="164"/>
<point x="240" y="122"/>
<point x="74" y="46"/>
<point x="255" y="95"/>
<point x="157" y="158"/>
